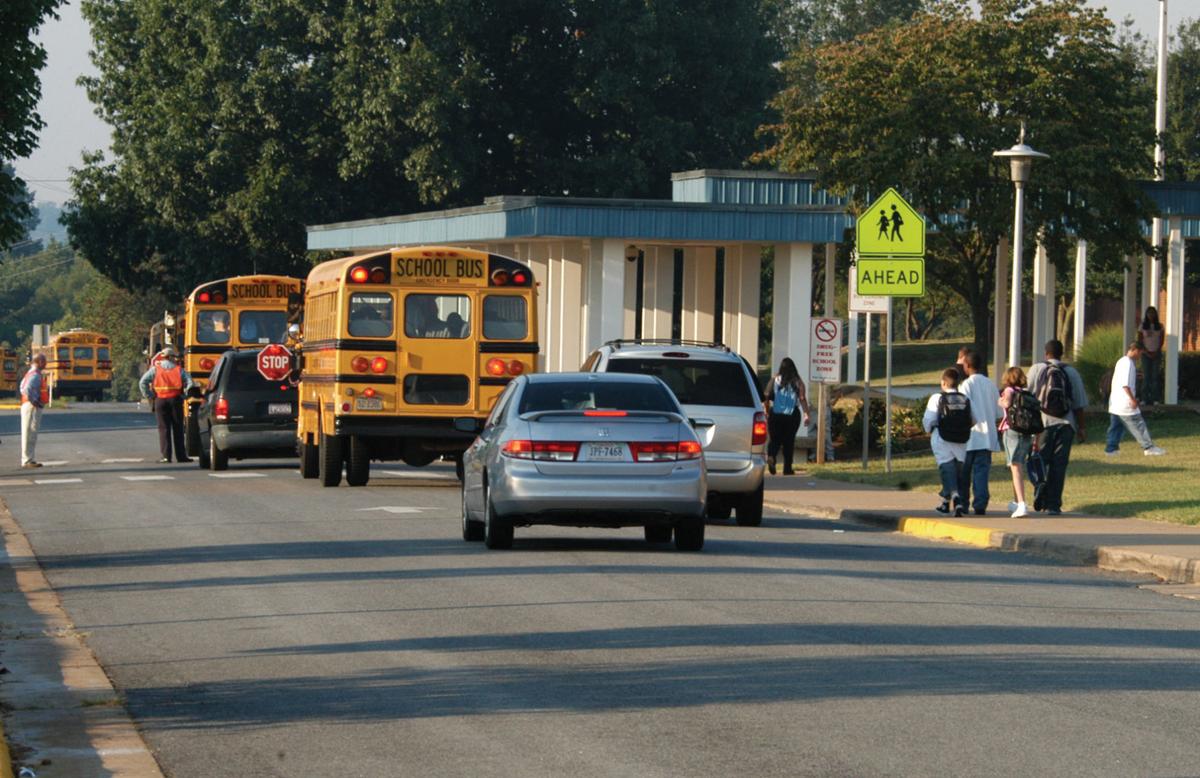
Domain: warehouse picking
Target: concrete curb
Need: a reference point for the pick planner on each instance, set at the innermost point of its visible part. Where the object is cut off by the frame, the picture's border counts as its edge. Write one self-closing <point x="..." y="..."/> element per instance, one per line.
<point x="1171" y="569"/>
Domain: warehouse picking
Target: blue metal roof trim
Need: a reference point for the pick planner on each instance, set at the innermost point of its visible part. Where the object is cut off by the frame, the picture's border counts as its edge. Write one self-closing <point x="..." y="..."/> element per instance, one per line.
<point x="1174" y="198"/>
<point x="749" y="189"/>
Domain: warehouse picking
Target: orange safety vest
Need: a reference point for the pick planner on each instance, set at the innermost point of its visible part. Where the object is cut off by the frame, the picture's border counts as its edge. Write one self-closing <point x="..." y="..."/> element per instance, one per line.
<point x="43" y="395"/>
<point x="168" y="384"/>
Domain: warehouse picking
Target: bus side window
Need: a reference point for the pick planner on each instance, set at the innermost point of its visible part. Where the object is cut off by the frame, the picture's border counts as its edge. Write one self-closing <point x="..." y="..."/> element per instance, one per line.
<point x="212" y="327"/>
<point x="505" y="318"/>
<point x="370" y="315"/>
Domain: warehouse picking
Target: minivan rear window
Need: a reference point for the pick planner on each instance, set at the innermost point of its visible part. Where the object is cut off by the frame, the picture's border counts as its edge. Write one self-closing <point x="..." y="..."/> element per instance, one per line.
<point x="591" y="395"/>
<point x="694" y="381"/>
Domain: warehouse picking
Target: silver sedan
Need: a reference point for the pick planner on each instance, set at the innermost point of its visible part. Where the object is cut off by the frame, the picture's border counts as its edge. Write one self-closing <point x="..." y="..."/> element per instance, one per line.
<point x="585" y="450"/>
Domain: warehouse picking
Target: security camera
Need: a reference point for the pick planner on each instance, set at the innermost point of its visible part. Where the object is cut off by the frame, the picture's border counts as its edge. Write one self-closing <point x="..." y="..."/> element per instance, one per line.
<point x="631" y="253"/>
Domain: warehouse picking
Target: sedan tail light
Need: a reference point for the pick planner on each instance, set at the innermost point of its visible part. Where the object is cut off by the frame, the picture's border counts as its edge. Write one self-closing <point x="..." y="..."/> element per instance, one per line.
<point x="759" y="436"/>
<point x="665" y="452"/>
<point x="222" y="409"/>
<point x="543" y="451"/>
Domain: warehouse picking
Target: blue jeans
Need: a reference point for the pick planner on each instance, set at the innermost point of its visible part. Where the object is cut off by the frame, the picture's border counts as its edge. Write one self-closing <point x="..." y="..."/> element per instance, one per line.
<point x="1136" y="425"/>
<point x="975" y="470"/>
<point x="1055" y="444"/>
<point x="950" y="472"/>
<point x="1152" y="368"/>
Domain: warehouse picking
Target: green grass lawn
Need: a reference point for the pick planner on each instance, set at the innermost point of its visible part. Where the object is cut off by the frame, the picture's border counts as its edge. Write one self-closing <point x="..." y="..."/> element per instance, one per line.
<point x="1128" y="485"/>
<point x="918" y="362"/>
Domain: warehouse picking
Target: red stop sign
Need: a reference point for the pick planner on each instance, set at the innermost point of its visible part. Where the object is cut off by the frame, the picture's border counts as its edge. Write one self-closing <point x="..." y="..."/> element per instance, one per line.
<point x="275" y="362"/>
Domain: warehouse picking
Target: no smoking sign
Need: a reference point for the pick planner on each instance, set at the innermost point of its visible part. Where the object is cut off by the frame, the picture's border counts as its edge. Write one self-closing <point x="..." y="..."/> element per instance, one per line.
<point x="825" y="352"/>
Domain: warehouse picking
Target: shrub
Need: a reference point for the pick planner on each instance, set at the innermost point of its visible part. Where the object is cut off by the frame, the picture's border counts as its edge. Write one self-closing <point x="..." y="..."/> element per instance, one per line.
<point x="1100" y="350"/>
<point x="1189" y="375"/>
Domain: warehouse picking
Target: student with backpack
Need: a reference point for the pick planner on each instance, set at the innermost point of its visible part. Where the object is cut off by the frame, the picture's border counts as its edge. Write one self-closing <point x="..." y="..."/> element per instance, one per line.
<point x="985" y="410"/>
<point x="1021" y="421"/>
<point x="1059" y="388"/>
<point x="948" y="421"/>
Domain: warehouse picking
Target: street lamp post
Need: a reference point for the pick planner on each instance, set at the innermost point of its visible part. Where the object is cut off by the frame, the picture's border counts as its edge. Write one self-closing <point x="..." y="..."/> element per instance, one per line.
<point x="1021" y="159"/>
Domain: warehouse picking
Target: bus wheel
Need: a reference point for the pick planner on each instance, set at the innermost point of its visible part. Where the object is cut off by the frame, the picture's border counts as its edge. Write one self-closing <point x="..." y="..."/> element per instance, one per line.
<point x="308" y="458"/>
<point x="191" y="441"/>
<point x="358" y="465"/>
<point x="330" y="457"/>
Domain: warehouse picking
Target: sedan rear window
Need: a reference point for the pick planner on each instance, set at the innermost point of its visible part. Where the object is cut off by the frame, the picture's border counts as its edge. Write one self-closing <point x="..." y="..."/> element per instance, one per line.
<point x="592" y="395"/>
<point x="694" y="381"/>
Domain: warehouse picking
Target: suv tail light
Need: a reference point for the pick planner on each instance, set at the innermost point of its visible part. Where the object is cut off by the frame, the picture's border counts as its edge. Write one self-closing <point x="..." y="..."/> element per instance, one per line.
<point x="665" y="452"/>
<point x="222" y="409"/>
<point x="543" y="451"/>
<point x="759" y="436"/>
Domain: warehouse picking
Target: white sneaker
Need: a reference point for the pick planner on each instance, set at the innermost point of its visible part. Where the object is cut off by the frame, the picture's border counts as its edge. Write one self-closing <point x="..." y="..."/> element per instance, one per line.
<point x="1019" y="510"/>
<point x="1112" y="453"/>
<point x="1012" y="505"/>
<point x="1154" y="451"/>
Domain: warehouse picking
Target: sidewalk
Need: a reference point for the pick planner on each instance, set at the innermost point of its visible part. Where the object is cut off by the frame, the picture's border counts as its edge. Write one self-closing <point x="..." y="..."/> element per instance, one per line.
<point x="1168" y="551"/>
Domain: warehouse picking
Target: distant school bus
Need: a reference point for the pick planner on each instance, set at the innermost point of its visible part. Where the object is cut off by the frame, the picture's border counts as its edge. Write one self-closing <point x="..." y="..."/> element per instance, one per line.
<point x="10" y="375"/>
<point x="232" y="313"/>
<point x="78" y="364"/>
<point x="404" y="352"/>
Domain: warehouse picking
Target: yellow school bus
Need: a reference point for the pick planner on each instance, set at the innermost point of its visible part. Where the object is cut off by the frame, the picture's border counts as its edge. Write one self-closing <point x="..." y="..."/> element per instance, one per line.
<point x="404" y="352"/>
<point x="232" y="313"/>
<point x="10" y="372"/>
<point x="78" y="364"/>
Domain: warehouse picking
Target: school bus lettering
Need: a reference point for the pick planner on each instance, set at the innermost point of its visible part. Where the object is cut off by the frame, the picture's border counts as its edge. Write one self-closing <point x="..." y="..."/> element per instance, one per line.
<point x="421" y="268"/>
<point x="259" y="290"/>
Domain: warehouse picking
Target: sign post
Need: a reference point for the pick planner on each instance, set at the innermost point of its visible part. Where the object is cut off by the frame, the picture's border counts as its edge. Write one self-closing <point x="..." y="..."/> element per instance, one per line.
<point x="824" y="367"/>
<point x="890" y="242"/>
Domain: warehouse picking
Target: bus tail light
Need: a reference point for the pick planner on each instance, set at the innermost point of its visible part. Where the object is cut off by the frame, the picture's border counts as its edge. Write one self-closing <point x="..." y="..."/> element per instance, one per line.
<point x="207" y="363"/>
<point x="541" y="450"/>
<point x="204" y="297"/>
<point x="379" y="365"/>
<point x="500" y="278"/>
<point x="496" y="367"/>
<point x="378" y="276"/>
<point x="360" y="275"/>
<point x="369" y="392"/>
<point x="218" y="298"/>
<point x="360" y="364"/>
<point x="516" y="367"/>
<point x="345" y="407"/>
<point x="222" y="409"/>
<point x="520" y="278"/>
<point x="759" y="435"/>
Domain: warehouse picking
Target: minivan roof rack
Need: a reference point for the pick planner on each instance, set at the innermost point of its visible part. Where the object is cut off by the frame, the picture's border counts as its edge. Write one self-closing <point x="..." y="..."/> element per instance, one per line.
<point x="664" y="342"/>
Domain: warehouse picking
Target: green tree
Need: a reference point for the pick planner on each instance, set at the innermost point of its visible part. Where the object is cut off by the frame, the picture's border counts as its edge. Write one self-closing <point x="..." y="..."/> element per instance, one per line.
<point x="20" y="60"/>
<point x="1183" y="104"/>
<point x="922" y="106"/>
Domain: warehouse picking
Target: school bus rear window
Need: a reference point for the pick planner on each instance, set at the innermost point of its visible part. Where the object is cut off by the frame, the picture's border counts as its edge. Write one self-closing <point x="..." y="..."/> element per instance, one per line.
<point x="212" y="327"/>
<point x="262" y="326"/>
<point x="83" y="352"/>
<point x="446" y="316"/>
<point x="505" y="318"/>
<point x="64" y="353"/>
<point x="370" y="315"/>
<point x="102" y="354"/>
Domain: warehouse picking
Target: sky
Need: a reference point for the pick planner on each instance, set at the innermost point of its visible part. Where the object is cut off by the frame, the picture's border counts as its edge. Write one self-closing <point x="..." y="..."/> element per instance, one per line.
<point x="72" y="127"/>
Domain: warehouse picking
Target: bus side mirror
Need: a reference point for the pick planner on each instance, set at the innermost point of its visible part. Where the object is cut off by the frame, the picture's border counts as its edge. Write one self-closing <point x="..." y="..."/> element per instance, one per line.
<point x="294" y="331"/>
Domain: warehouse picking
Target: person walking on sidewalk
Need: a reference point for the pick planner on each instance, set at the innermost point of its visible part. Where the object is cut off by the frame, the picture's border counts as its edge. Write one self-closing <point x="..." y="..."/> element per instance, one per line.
<point x="787" y="407"/>
<point x="985" y="438"/>
<point x="1125" y="413"/>
<point x="164" y="384"/>
<point x="35" y="394"/>
<point x="1022" y="417"/>
<point x="1151" y="335"/>
<point x="948" y="421"/>
<point x="1059" y="388"/>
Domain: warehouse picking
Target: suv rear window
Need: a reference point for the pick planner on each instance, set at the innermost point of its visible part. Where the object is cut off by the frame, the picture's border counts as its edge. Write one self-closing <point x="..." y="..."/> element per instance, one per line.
<point x="694" y="381"/>
<point x="590" y="395"/>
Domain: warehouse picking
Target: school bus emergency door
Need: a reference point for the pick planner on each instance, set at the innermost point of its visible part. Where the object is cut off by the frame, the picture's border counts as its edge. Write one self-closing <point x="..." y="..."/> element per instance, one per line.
<point x="404" y="352"/>
<point x="233" y="313"/>
<point x="78" y="364"/>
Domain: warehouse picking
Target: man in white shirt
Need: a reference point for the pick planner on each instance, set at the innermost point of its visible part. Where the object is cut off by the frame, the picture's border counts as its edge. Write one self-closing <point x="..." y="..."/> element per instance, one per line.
<point x="1124" y="411"/>
<point x="985" y="409"/>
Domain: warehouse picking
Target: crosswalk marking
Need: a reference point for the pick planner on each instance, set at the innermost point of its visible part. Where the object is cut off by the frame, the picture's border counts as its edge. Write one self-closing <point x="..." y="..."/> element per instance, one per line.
<point x="48" y="481"/>
<point x="237" y="475"/>
<point x="56" y="462"/>
<point x="16" y="482"/>
<point x="422" y="475"/>
<point x="122" y="461"/>
<point x="148" y="477"/>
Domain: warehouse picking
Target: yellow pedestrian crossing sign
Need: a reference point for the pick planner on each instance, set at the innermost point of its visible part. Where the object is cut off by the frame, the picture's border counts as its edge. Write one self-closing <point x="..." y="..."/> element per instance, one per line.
<point x="891" y="228"/>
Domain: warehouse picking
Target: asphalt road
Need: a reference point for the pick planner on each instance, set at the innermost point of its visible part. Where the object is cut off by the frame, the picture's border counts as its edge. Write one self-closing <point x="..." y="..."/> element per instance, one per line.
<point x="261" y="625"/>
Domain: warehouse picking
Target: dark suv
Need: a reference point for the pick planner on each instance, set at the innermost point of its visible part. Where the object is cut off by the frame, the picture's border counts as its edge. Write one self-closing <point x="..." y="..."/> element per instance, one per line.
<point x="244" y="415"/>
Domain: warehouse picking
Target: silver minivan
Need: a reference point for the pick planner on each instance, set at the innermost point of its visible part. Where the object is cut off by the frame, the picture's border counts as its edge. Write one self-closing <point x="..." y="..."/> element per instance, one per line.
<point x="718" y="391"/>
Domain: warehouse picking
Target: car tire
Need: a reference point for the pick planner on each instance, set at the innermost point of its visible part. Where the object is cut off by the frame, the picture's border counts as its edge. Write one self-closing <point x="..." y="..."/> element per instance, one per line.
<point x="497" y="530"/>
<point x="308" y="459"/>
<point x="358" y="463"/>
<point x="330" y="458"/>
<point x="191" y="435"/>
<point x="458" y="467"/>
<point x="202" y="458"/>
<point x="689" y="534"/>
<point x="718" y="508"/>
<point x="750" y="508"/>
<point x="659" y="533"/>
<point x="472" y="530"/>
<point x="217" y="459"/>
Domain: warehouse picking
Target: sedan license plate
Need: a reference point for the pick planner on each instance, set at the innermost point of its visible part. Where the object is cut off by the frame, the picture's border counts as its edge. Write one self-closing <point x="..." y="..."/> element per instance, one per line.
<point x="279" y="409"/>
<point x="606" y="452"/>
<point x="368" y="404"/>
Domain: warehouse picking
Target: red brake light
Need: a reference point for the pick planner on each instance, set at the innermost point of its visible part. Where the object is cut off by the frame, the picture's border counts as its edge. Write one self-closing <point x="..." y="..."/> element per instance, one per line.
<point x="359" y="275"/>
<point x="759" y="435"/>
<point x="665" y="452"/>
<point x="379" y="365"/>
<point x="500" y="277"/>
<point x="222" y="409"/>
<point x="496" y="367"/>
<point x="605" y="413"/>
<point x="516" y="367"/>
<point x="677" y="355"/>
<point x="345" y="407"/>
<point x="378" y="275"/>
<point x="520" y="278"/>
<point x="218" y="297"/>
<point x="203" y="297"/>
<point x="207" y="363"/>
<point x="369" y="392"/>
<point x="545" y="451"/>
<point x="690" y="449"/>
<point x="360" y="364"/>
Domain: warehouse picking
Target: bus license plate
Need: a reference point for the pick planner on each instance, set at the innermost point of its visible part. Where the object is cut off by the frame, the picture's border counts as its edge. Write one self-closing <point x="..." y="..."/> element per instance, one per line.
<point x="368" y="404"/>
<point x="279" y="409"/>
<point x="606" y="452"/>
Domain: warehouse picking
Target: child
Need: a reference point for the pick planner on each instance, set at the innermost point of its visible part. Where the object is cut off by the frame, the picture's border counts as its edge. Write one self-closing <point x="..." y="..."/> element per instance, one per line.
<point x="1016" y="444"/>
<point x="948" y="420"/>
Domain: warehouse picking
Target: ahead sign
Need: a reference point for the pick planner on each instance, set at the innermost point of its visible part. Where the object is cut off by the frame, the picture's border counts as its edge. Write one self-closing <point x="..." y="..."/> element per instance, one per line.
<point x="275" y="362"/>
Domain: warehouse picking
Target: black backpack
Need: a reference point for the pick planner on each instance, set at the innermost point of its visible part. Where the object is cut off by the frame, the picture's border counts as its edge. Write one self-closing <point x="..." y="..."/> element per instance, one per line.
<point x="954" y="417"/>
<point x="1054" y="391"/>
<point x="1024" y="413"/>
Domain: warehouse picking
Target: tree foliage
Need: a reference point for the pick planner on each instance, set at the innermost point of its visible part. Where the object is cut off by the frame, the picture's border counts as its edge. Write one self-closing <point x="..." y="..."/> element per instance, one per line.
<point x="236" y="123"/>
<point x="20" y="60"/>
<point x="1183" y="104"/>
<point x="922" y="106"/>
